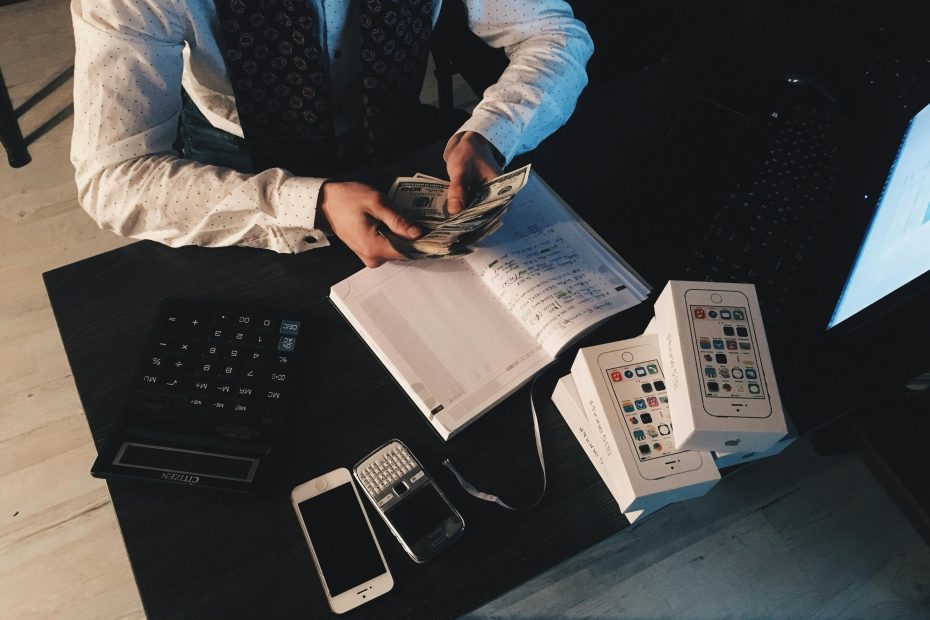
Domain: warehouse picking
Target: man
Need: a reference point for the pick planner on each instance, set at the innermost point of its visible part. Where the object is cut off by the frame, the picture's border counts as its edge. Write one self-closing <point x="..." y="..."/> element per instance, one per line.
<point x="290" y="87"/>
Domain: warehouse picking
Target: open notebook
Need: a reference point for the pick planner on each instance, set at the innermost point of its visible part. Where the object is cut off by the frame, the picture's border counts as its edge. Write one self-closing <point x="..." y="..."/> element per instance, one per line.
<point x="460" y="335"/>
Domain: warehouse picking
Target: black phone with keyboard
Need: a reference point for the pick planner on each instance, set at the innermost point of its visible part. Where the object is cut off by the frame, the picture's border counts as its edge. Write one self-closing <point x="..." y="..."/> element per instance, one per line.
<point x="211" y="397"/>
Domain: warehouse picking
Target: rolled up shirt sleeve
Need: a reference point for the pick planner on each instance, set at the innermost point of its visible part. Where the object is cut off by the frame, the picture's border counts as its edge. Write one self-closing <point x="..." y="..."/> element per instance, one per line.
<point x="548" y="50"/>
<point x="127" y="88"/>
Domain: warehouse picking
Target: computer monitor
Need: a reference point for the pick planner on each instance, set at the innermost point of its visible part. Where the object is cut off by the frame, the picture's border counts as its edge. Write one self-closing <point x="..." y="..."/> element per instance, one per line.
<point x="896" y="248"/>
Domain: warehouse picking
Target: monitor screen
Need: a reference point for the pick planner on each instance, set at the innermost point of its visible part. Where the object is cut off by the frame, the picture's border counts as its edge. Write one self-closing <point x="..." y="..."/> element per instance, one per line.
<point x="896" y="248"/>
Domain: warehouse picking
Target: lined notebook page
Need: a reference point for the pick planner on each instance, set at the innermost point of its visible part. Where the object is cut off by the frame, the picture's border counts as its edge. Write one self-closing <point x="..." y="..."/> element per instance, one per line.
<point x="445" y="338"/>
<point x="550" y="273"/>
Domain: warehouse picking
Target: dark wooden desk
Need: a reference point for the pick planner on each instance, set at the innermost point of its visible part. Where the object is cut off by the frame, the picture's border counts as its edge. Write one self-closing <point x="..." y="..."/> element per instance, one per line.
<point x="201" y="553"/>
<point x="196" y="552"/>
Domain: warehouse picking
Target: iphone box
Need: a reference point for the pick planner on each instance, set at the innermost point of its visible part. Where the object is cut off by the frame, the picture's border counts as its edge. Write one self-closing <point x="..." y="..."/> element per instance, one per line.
<point x="623" y="397"/>
<point x="727" y="459"/>
<point x="566" y="399"/>
<point x="721" y="383"/>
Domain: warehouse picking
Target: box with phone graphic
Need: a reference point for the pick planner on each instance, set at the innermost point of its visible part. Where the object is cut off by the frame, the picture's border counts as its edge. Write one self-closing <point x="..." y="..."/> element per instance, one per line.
<point x="720" y="379"/>
<point x="566" y="399"/>
<point x="624" y="397"/>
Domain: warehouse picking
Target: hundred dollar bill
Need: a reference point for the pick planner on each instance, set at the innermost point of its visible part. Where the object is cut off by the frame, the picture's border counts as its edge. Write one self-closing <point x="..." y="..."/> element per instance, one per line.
<point x="423" y="200"/>
<point x="420" y="201"/>
<point x="426" y="177"/>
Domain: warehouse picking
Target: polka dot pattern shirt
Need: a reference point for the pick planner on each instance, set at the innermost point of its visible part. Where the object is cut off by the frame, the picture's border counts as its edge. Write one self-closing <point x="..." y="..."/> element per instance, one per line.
<point x="133" y="57"/>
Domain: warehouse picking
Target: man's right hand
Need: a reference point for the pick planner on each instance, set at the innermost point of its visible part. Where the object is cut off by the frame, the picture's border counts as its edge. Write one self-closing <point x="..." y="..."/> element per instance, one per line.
<point x="354" y="212"/>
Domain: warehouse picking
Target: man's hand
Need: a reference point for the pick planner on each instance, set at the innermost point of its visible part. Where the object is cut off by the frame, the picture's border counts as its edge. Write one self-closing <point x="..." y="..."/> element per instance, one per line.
<point x="470" y="162"/>
<point x="354" y="211"/>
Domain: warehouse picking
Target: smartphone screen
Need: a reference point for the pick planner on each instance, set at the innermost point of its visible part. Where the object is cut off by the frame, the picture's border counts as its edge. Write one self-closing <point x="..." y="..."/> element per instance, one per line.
<point x="726" y="352"/>
<point x="419" y="513"/>
<point x="341" y="539"/>
<point x="639" y="392"/>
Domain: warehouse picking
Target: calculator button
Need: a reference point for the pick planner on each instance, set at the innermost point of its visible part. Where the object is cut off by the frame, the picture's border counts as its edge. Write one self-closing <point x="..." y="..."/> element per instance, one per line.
<point x="254" y="357"/>
<point x="272" y="395"/>
<point x="245" y="392"/>
<point x="222" y="318"/>
<point x="249" y="375"/>
<point x="224" y="388"/>
<point x="150" y="380"/>
<point x="171" y="322"/>
<point x="277" y="378"/>
<point x="206" y="368"/>
<point x="243" y="321"/>
<point x="262" y="341"/>
<point x="172" y="384"/>
<point x="217" y="333"/>
<point x="290" y="328"/>
<point x="287" y="344"/>
<point x="264" y="324"/>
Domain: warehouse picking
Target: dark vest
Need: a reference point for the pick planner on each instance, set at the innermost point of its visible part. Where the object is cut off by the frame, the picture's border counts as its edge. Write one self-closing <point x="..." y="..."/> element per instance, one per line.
<point x="280" y="79"/>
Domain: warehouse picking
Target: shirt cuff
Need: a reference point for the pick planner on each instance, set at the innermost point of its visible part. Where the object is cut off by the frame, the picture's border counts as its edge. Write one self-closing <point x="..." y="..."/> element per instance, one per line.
<point x="499" y="131"/>
<point x="297" y="206"/>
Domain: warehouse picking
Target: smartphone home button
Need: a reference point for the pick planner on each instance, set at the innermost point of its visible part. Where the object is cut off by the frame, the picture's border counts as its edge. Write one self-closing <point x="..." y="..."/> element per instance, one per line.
<point x="627" y="356"/>
<point x="716" y="298"/>
<point x="321" y="484"/>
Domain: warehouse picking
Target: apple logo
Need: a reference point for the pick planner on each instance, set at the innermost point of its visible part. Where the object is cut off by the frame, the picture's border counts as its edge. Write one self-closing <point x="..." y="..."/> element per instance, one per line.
<point x="732" y="442"/>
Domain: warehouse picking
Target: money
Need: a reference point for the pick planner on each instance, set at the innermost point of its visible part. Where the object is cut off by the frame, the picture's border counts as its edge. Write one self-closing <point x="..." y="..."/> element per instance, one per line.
<point x="422" y="199"/>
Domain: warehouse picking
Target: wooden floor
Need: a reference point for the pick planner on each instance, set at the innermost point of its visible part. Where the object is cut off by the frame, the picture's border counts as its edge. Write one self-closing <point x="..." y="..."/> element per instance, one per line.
<point x="800" y="536"/>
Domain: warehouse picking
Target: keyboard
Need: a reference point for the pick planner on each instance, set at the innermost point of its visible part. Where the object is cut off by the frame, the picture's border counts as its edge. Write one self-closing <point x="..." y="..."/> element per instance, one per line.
<point x="763" y="228"/>
<point x="210" y="397"/>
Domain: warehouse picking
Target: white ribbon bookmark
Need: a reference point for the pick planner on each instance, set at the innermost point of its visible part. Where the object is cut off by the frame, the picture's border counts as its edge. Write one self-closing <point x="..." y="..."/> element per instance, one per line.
<point x="490" y="497"/>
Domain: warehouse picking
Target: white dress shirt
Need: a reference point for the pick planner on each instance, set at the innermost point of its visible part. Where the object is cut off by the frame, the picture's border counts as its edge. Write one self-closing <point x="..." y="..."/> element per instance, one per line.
<point x="133" y="57"/>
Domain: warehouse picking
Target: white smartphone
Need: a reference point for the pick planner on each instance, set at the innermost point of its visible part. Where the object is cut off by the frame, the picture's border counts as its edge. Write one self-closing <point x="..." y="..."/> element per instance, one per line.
<point x="726" y="349"/>
<point x="635" y="380"/>
<point x="412" y="506"/>
<point x="341" y="540"/>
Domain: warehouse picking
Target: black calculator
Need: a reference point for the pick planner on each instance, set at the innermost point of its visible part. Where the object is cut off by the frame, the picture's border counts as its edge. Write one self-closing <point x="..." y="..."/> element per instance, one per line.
<point x="210" y="398"/>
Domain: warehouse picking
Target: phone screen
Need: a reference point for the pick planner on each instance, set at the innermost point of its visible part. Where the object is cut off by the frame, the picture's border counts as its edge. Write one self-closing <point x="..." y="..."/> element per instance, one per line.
<point x="639" y="392"/>
<point x="726" y="352"/>
<point x="341" y="539"/>
<point x="419" y="513"/>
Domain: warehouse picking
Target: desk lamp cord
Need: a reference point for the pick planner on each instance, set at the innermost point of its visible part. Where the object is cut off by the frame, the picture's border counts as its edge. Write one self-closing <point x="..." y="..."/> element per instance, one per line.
<point x="490" y="497"/>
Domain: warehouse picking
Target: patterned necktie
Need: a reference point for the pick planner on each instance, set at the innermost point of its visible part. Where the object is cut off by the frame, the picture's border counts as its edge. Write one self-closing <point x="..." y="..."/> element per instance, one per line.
<point x="278" y="71"/>
<point x="395" y="46"/>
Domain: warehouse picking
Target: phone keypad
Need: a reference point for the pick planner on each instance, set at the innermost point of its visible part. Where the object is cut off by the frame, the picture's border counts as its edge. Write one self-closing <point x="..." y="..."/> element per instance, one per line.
<point x="387" y="469"/>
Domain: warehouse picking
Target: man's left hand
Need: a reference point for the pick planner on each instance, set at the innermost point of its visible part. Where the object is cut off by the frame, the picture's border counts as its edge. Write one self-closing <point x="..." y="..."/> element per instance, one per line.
<point x="470" y="162"/>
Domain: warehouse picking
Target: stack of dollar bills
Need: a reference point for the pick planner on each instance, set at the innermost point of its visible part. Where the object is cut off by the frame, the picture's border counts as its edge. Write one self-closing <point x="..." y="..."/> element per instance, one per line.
<point x="422" y="200"/>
